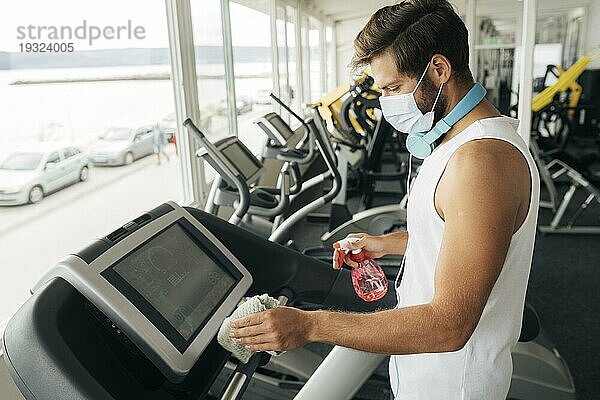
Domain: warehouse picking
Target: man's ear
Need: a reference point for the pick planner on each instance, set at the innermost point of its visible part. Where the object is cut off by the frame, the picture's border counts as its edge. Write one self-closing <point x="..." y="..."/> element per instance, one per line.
<point x="442" y="69"/>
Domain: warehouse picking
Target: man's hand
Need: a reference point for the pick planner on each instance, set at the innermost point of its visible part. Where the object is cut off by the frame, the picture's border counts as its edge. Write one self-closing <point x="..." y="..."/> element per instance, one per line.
<point x="282" y="328"/>
<point x="374" y="246"/>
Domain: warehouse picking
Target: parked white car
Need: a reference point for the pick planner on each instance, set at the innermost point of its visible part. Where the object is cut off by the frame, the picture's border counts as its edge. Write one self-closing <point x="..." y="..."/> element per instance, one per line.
<point x="34" y="171"/>
<point x="122" y="146"/>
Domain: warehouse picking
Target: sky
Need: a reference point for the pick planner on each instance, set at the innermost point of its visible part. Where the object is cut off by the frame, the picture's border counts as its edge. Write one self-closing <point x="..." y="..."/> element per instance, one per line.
<point x="249" y="27"/>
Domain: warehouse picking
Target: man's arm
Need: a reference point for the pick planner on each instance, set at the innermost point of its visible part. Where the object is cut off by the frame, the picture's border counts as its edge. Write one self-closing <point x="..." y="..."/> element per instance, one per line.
<point x="480" y="198"/>
<point x="395" y="242"/>
<point x="374" y="247"/>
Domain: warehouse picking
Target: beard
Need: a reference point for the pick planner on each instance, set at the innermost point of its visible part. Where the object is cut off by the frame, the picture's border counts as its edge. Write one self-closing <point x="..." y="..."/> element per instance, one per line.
<point x="425" y="98"/>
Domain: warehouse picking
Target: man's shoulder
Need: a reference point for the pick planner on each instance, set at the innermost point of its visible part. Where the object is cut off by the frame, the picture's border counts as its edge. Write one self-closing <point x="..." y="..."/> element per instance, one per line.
<point x="485" y="168"/>
<point x="490" y="156"/>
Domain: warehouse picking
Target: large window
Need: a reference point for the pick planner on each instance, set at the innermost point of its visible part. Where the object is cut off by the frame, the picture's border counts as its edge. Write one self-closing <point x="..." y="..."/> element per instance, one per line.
<point x="330" y="56"/>
<point x="498" y="53"/>
<point x="251" y="37"/>
<point x="90" y="110"/>
<point x="210" y="66"/>
<point x="108" y="99"/>
<point x="314" y="56"/>
<point x="305" y="59"/>
<point x="293" y="76"/>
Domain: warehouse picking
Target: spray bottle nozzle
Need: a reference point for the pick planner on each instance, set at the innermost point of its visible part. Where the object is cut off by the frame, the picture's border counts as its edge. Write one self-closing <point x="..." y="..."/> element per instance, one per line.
<point x="343" y="244"/>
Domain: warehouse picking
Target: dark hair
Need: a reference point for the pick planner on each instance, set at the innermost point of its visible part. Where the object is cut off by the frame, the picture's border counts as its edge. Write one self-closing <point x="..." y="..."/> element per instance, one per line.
<point x="415" y="30"/>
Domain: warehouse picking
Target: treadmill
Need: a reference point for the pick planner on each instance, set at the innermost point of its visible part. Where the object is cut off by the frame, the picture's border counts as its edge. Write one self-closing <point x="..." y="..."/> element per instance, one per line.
<point x="134" y="315"/>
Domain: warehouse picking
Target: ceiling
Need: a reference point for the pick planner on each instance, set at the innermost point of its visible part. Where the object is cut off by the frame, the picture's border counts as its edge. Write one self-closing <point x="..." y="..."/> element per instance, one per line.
<point x="340" y="10"/>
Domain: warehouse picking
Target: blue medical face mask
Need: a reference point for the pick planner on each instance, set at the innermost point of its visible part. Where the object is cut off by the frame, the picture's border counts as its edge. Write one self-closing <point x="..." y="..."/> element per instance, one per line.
<point x="402" y="112"/>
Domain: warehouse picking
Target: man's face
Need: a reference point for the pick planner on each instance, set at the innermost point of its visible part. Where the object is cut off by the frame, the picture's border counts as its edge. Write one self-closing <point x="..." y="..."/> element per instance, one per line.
<point x="393" y="82"/>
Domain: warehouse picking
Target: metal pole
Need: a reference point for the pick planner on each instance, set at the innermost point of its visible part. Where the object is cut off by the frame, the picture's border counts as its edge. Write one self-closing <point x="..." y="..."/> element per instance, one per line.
<point x="300" y="95"/>
<point x="185" y="87"/>
<point x="322" y="53"/>
<point x="332" y="81"/>
<point x="274" y="52"/>
<point x="229" y="69"/>
<point x="526" y="72"/>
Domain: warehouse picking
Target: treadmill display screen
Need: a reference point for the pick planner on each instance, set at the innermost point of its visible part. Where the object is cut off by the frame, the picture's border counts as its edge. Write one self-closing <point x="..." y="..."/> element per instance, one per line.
<point x="242" y="159"/>
<point x="281" y="126"/>
<point x="178" y="278"/>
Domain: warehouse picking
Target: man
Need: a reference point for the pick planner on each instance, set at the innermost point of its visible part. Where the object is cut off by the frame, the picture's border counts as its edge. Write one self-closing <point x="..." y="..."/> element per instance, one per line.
<point x="159" y="141"/>
<point x="472" y="214"/>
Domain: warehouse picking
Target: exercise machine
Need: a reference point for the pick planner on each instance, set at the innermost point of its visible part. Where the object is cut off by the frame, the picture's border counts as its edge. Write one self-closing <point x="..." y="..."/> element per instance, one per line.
<point x="134" y="315"/>
<point x="557" y="115"/>
<point x="363" y="159"/>
<point x="124" y="318"/>
<point x="232" y="161"/>
<point x="555" y="171"/>
<point x="237" y="168"/>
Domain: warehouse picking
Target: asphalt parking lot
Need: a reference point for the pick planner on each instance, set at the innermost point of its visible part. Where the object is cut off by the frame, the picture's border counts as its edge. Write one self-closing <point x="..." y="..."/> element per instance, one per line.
<point x="34" y="237"/>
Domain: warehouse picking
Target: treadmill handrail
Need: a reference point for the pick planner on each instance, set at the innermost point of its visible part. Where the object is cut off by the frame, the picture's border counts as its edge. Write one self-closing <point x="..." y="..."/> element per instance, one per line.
<point x="243" y="206"/>
<point x="324" y="145"/>
<point x="227" y="167"/>
<point x="283" y="203"/>
<point x="288" y="109"/>
<point x="304" y="124"/>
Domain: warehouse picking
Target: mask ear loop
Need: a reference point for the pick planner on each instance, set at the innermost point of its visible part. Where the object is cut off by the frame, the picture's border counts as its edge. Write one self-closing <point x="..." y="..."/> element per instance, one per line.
<point x="437" y="97"/>
<point x="420" y="79"/>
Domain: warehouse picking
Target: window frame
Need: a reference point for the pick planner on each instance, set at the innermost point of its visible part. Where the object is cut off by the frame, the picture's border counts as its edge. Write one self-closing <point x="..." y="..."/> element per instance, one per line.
<point x="184" y="77"/>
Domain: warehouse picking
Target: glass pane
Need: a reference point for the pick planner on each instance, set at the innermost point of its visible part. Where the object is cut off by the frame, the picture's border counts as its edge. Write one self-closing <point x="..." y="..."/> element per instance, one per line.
<point x="251" y="37"/>
<point x="210" y="71"/>
<point x="291" y="54"/>
<point x="552" y="29"/>
<point x="305" y="60"/>
<point x="210" y="67"/>
<point x="284" y="87"/>
<point x="330" y="57"/>
<point x="314" y="44"/>
<point x="493" y="30"/>
<point x="496" y="73"/>
<point x="95" y="94"/>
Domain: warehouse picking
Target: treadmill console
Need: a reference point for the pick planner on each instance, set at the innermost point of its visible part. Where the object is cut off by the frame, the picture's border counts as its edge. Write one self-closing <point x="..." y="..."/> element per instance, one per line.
<point x="275" y="128"/>
<point x="230" y="156"/>
<point x="164" y="280"/>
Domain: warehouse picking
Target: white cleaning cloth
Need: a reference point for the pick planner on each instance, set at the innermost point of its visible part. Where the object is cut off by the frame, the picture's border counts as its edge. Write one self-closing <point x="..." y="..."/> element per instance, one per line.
<point x="250" y="306"/>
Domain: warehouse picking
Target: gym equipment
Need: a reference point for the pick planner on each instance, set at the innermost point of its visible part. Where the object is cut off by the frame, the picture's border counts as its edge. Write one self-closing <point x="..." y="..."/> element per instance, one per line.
<point x="566" y="80"/>
<point x="565" y="128"/>
<point x="362" y="136"/>
<point x="280" y="134"/>
<point x="358" y="110"/>
<point x="349" y="158"/>
<point x="120" y="320"/>
<point x="375" y="221"/>
<point x="238" y="171"/>
<point x="587" y="114"/>
<point x="550" y="173"/>
<point x="68" y="342"/>
<point x="231" y="160"/>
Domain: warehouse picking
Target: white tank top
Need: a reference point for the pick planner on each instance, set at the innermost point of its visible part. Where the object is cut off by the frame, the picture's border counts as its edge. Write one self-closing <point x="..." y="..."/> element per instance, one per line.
<point x="482" y="369"/>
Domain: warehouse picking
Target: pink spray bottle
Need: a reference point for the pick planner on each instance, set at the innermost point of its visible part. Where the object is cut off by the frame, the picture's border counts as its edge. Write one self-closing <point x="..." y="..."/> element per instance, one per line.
<point x="368" y="279"/>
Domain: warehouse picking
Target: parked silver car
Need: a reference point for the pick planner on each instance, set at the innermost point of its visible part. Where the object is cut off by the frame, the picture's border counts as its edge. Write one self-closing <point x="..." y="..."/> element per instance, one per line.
<point x="122" y="146"/>
<point x="27" y="175"/>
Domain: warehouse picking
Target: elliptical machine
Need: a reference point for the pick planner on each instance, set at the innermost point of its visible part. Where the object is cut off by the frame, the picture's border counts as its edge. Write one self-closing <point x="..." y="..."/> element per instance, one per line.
<point x="227" y="165"/>
<point x="231" y="160"/>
